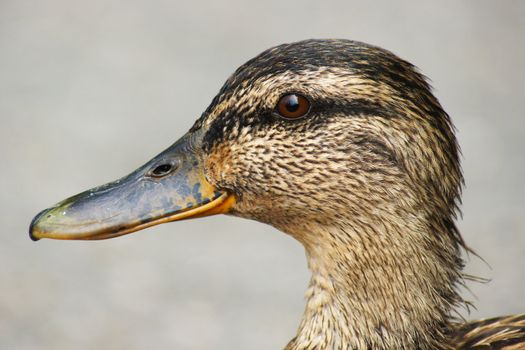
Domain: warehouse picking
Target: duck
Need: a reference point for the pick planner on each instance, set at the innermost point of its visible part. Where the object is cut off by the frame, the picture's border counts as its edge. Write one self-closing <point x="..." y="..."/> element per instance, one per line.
<point x="343" y="146"/>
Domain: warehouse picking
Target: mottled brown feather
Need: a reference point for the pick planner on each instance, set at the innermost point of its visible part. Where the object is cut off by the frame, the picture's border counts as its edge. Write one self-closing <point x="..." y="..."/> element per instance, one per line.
<point x="499" y="333"/>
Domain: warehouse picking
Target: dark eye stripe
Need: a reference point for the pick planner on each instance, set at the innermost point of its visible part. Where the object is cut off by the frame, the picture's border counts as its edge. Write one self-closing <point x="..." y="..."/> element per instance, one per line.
<point x="351" y="108"/>
<point x="321" y="108"/>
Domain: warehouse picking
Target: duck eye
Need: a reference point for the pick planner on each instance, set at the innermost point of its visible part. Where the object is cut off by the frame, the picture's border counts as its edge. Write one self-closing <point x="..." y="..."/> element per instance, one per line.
<point x="162" y="170"/>
<point x="293" y="106"/>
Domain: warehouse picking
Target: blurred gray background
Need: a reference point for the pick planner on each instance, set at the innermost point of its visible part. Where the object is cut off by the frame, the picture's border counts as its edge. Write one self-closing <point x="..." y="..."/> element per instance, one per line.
<point x="89" y="90"/>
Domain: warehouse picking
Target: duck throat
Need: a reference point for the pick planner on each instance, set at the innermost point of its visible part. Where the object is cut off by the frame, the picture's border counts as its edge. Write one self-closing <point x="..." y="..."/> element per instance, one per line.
<point x="377" y="286"/>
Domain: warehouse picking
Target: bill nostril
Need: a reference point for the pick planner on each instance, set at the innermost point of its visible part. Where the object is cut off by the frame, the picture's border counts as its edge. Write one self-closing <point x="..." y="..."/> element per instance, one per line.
<point x="162" y="169"/>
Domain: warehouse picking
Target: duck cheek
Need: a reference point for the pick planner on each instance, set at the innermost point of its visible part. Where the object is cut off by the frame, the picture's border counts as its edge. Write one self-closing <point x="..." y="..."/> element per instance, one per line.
<point x="218" y="167"/>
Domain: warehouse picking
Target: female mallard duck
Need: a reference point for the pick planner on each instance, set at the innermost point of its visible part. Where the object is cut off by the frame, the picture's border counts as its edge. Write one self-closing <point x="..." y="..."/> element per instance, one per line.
<point x="343" y="146"/>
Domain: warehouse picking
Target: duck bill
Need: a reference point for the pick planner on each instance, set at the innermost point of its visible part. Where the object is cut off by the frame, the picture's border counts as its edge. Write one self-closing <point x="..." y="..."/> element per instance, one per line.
<point x="170" y="187"/>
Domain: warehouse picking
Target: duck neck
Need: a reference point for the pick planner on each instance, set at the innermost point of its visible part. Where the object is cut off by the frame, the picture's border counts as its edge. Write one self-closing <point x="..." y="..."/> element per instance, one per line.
<point x="377" y="286"/>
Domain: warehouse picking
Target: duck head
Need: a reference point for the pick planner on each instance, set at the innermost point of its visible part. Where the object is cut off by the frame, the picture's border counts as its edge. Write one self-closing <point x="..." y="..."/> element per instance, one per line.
<point x="337" y="143"/>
